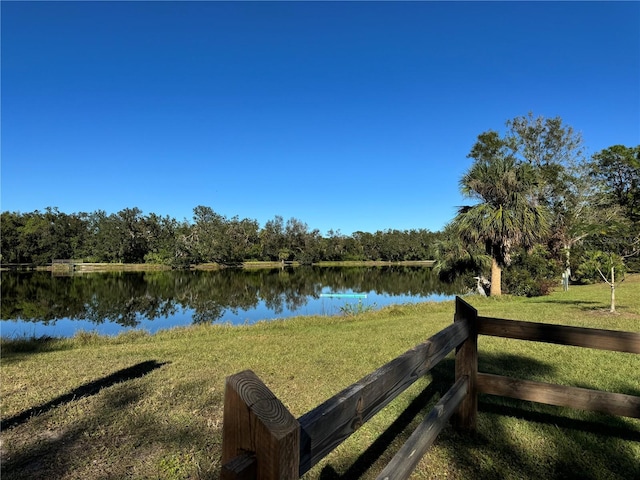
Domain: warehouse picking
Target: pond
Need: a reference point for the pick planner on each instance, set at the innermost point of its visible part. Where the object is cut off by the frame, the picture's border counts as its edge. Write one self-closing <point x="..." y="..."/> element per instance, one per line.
<point x="36" y="304"/>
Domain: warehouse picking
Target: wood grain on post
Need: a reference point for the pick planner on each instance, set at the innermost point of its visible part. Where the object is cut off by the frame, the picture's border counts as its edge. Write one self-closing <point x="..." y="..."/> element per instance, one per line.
<point x="467" y="366"/>
<point x="257" y="423"/>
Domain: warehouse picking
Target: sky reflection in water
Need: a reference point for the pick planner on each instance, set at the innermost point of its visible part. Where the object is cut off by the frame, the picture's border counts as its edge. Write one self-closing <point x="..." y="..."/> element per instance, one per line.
<point x="271" y="296"/>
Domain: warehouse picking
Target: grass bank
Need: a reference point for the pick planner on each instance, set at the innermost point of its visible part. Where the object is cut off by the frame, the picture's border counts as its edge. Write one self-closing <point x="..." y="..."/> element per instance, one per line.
<point x="377" y="263"/>
<point x="142" y="267"/>
<point x="150" y="406"/>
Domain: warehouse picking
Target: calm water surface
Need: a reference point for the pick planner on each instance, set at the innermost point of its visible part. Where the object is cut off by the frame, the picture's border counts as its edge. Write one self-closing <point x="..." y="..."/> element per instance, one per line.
<point x="39" y="303"/>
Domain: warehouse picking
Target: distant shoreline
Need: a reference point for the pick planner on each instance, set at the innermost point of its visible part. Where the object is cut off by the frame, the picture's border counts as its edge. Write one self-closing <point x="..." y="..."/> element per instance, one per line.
<point x="145" y="267"/>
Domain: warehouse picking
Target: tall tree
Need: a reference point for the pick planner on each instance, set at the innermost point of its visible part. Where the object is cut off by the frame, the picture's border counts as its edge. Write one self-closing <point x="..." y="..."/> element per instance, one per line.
<point x="303" y="244"/>
<point x="548" y="145"/>
<point x="161" y="235"/>
<point x="11" y="224"/>
<point x="508" y="213"/>
<point x="617" y="172"/>
<point x="556" y="152"/>
<point x="132" y="228"/>
<point x="368" y="245"/>
<point x="207" y="242"/>
<point x="241" y="239"/>
<point x="272" y="239"/>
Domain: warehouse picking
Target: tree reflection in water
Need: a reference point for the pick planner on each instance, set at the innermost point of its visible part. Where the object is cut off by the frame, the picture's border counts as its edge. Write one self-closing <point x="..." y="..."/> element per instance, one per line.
<point x="127" y="298"/>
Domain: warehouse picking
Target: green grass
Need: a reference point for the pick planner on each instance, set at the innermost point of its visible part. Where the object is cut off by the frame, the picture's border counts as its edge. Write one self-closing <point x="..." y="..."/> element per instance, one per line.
<point x="150" y="406"/>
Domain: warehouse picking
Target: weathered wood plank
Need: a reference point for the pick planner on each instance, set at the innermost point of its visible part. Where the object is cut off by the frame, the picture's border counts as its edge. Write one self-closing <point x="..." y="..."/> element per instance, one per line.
<point x="242" y="467"/>
<point x="256" y="422"/>
<point x="407" y="458"/>
<point x="467" y="366"/>
<point x="561" y="334"/>
<point x="560" y="395"/>
<point x="329" y="424"/>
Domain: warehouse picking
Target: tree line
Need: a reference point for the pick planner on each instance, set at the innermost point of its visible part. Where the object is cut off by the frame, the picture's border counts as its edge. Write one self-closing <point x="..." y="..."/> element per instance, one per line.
<point x="540" y="208"/>
<point x="130" y="236"/>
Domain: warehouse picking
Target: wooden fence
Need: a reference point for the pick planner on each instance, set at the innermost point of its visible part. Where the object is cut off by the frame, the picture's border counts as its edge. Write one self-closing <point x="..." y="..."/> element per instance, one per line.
<point x="262" y="439"/>
<point x="18" y="266"/>
<point x="65" y="263"/>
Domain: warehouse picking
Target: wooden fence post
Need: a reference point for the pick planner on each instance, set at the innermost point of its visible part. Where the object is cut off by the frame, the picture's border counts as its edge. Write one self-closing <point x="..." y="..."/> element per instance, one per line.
<point x="467" y="365"/>
<point x="260" y="437"/>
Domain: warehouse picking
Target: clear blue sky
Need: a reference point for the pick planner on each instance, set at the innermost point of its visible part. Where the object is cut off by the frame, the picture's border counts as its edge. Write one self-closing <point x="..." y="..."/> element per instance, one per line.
<point x="349" y="116"/>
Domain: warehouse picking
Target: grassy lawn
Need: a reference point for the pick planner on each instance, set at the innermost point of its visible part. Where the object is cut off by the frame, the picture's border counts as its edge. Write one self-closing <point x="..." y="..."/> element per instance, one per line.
<point x="150" y="406"/>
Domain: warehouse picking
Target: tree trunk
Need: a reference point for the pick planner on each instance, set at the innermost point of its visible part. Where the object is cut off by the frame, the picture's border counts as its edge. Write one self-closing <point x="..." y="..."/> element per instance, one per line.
<point x="496" y="279"/>
<point x="567" y="270"/>
<point x="613" y="291"/>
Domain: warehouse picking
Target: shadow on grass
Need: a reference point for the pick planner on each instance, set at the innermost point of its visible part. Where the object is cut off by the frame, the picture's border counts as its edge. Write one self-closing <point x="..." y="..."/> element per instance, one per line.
<point x="112" y="435"/>
<point x="557" y="301"/>
<point x="554" y="443"/>
<point x="22" y="345"/>
<point x="442" y="380"/>
<point x="584" y="305"/>
<point x="85" y="390"/>
<point x="613" y="427"/>
<point x="113" y="439"/>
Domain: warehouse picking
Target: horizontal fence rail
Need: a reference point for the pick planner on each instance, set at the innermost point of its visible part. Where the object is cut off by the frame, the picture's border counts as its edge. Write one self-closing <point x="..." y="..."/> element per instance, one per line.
<point x="407" y="458"/>
<point x="329" y="424"/>
<point x="560" y="395"/>
<point x="261" y="438"/>
<point x="561" y="334"/>
<point x="322" y="429"/>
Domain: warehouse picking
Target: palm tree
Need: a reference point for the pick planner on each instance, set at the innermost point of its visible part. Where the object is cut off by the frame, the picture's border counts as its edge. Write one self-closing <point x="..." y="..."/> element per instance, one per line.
<point x="455" y="257"/>
<point x="508" y="214"/>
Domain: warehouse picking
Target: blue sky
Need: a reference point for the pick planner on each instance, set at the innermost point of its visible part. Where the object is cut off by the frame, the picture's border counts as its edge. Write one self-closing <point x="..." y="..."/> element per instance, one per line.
<point x="347" y="116"/>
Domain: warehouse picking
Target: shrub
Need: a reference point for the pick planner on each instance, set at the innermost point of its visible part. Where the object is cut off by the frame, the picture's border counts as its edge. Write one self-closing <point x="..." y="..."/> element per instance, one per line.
<point x="595" y="261"/>
<point x="531" y="273"/>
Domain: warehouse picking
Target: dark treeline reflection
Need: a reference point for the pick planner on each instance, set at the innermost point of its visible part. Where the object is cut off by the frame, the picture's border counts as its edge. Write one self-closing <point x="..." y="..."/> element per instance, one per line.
<point x="126" y="298"/>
